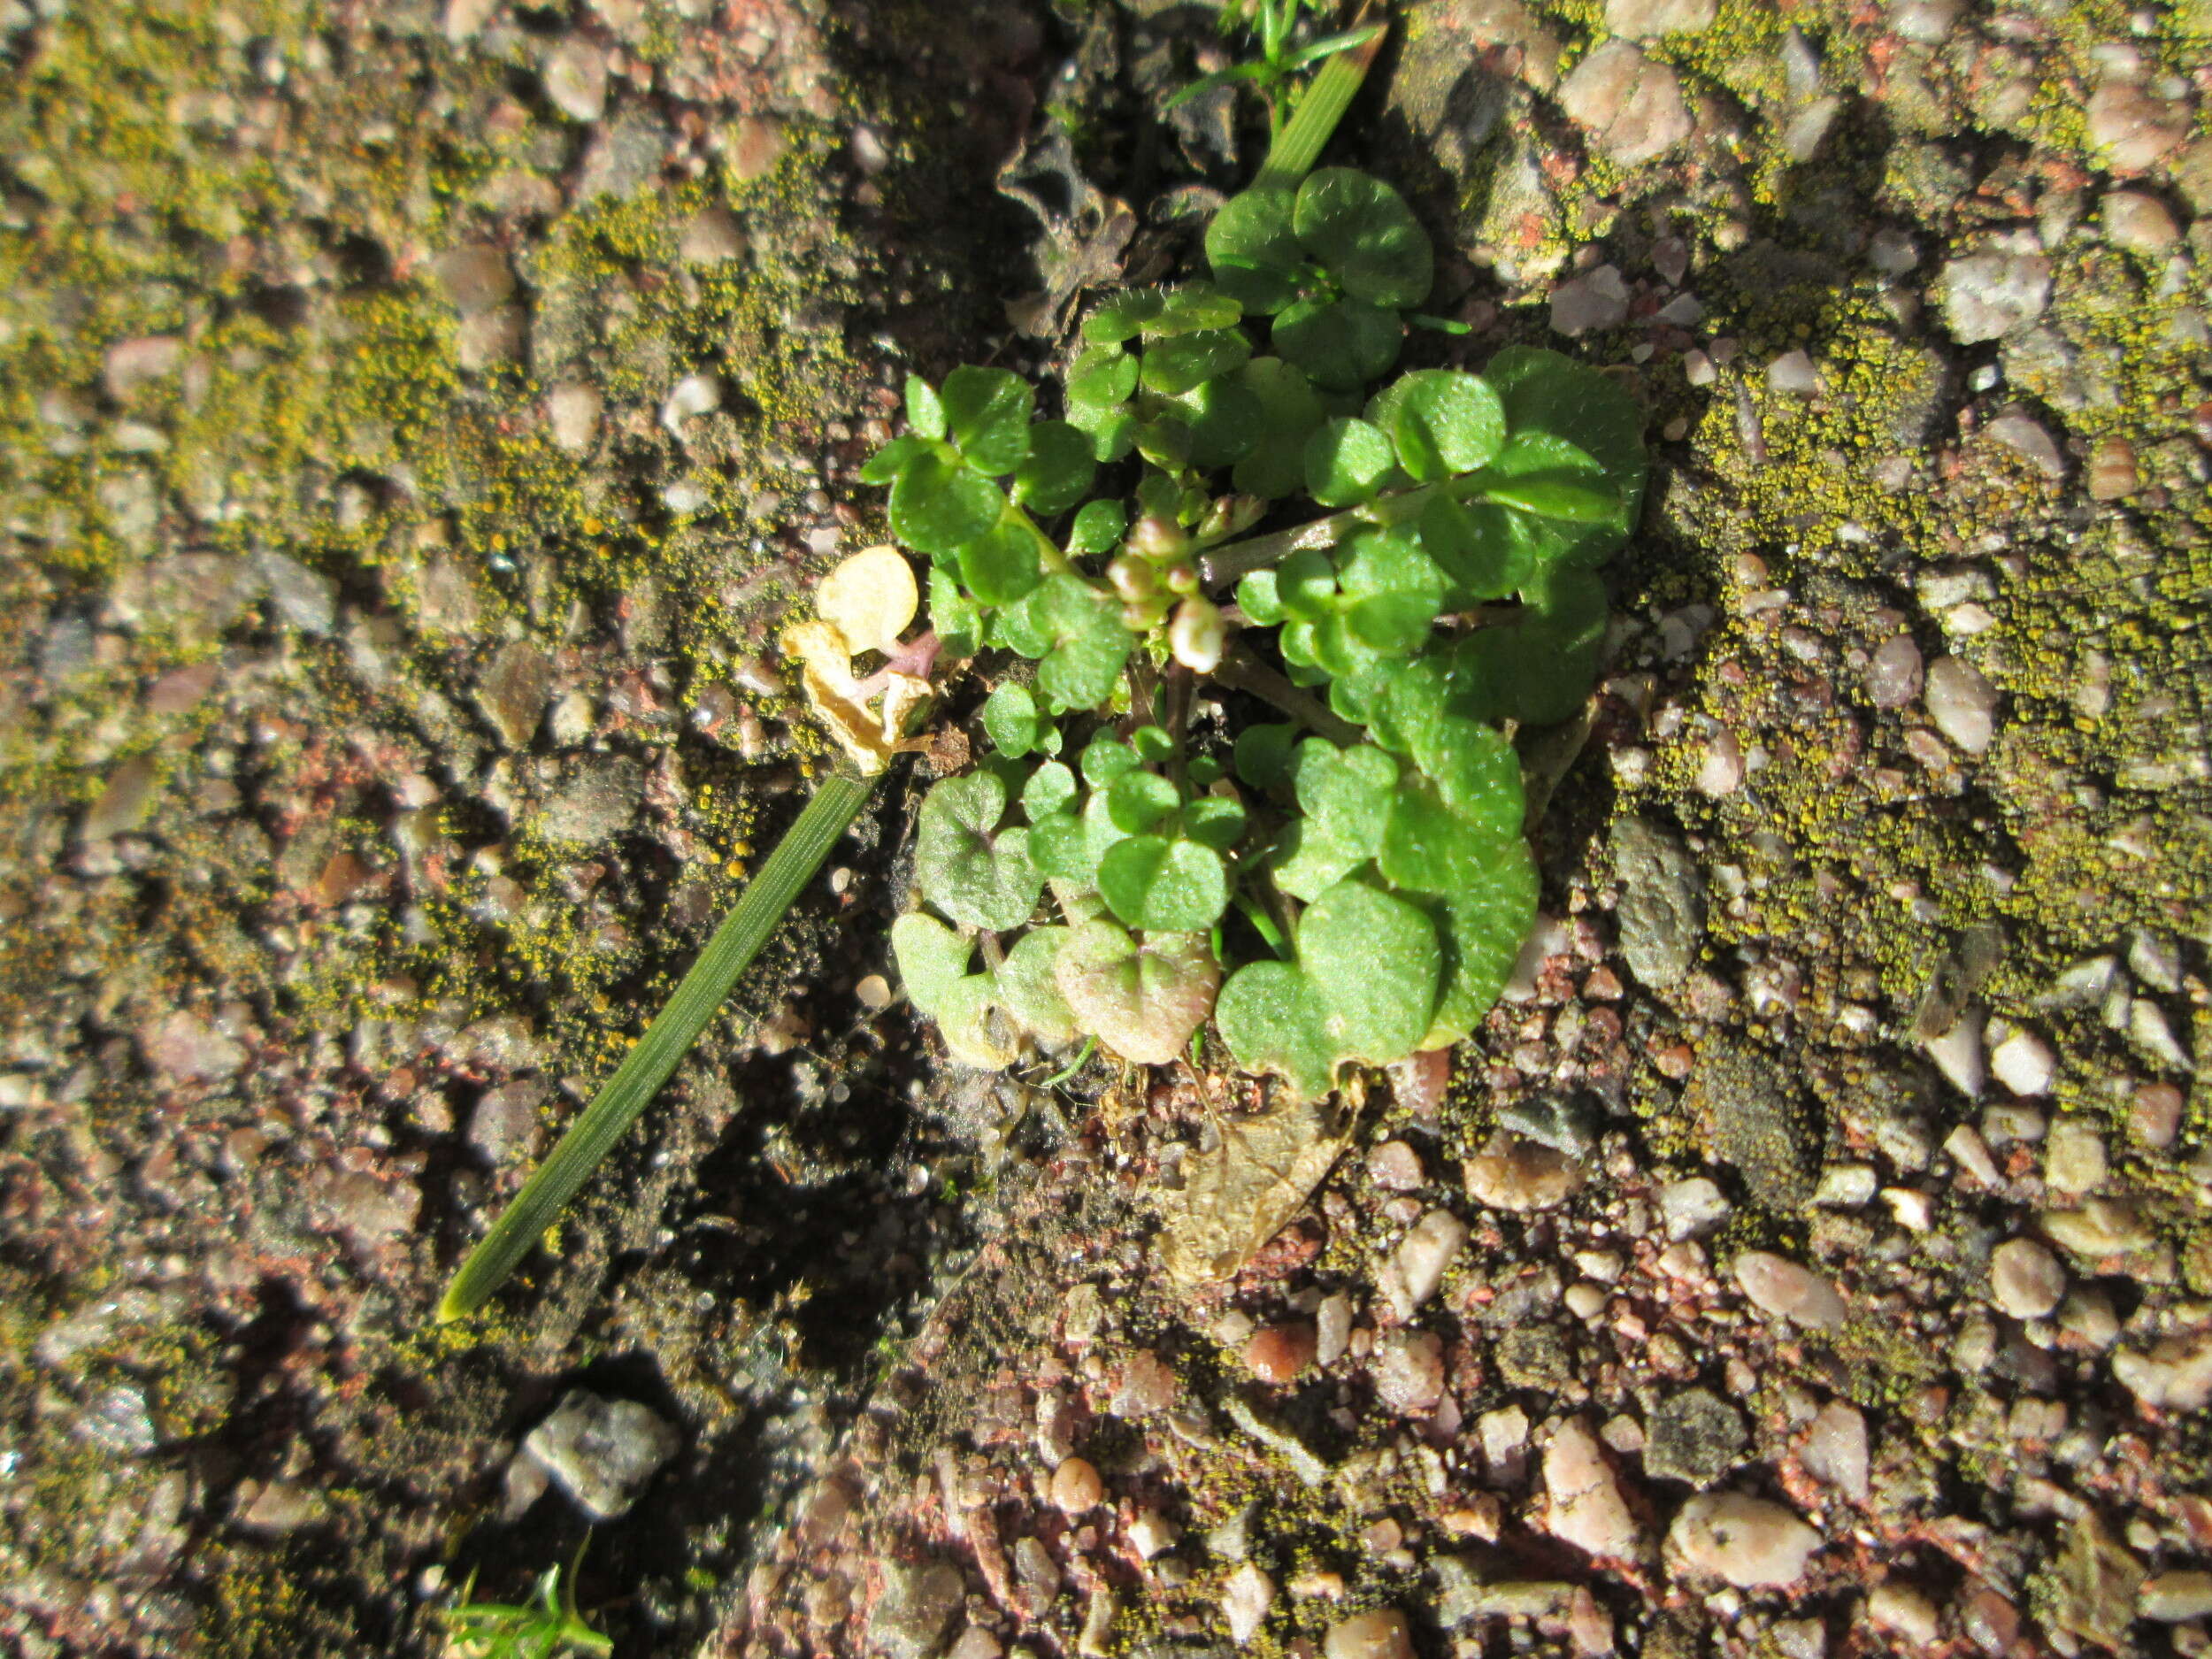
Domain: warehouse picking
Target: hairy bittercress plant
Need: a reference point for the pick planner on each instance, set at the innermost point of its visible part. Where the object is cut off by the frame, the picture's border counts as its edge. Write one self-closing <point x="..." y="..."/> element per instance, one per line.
<point x="1347" y="885"/>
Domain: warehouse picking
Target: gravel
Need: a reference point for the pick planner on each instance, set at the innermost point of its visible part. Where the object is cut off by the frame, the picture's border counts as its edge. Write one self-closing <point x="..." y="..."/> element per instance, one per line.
<point x="1962" y="704"/>
<point x="1630" y="106"/>
<point x="1782" y="1288"/>
<point x="1989" y="295"/>
<point x="1662" y="909"/>
<point x="602" y="1453"/>
<point x="1750" y="1542"/>
<point x="1587" y="1505"/>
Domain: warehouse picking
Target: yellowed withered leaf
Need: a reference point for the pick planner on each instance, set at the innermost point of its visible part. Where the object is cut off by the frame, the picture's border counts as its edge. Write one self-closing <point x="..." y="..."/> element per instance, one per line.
<point x="1241" y="1195"/>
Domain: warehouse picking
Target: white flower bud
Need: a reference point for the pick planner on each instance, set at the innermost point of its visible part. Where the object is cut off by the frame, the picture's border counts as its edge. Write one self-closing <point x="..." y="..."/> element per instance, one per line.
<point x="1152" y="537"/>
<point x="1198" y="635"/>
<point x="1132" y="579"/>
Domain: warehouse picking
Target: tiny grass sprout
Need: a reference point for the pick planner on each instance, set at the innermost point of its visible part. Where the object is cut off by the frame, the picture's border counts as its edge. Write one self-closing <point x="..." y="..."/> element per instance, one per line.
<point x="1272" y="24"/>
<point x="546" y="1626"/>
<point x="863" y="608"/>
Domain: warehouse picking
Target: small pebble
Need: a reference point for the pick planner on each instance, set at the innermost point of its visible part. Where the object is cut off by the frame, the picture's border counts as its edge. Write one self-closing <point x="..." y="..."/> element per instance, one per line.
<point x="1076" y="1487"/>
<point x="1962" y="704"/>
<point x="1988" y="1620"/>
<point x="2172" y="1597"/>
<point x="1153" y="1533"/>
<point x="2022" y="1062"/>
<point x="1788" y="1290"/>
<point x="1845" y="1187"/>
<point x="1587" y="1507"/>
<point x="1593" y="300"/>
<point x="1894" y="674"/>
<point x="1245" y="1599"/>
<point x="2112" y="475"/>
<point x="1970" y="1153"/>
<point x="1332" y="1328"/>
<point x="1749" y="1542"/>
<point x="1408" y="1372"/>
<point x="1380" y="1633"/>
<point x="1520" y="1176"/>
<point x="1694" y="1207"/>
<point x="2074" y="1160"/>
<point x="1793" y="374"/>
<point x="1835" y="1449"/>
<point x="1277" y="1354"/>
<point x="1906" y="1611"/>
<point x="1396" y="1167"/>
<point x="2025" y="1279"/>
<point x="575" y="79"/>
<point x="1418" y="1264"/>
<point x="2155" y="1115"/>
<point x="1958" y="1054"/>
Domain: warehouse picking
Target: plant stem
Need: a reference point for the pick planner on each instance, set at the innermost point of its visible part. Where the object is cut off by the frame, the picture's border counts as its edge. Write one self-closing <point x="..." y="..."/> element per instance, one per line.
<point x="1240" y="671"/>
<point x="836" y="802"/>
<point x="1290" y="157"/>
<point x="1225" y="564"/>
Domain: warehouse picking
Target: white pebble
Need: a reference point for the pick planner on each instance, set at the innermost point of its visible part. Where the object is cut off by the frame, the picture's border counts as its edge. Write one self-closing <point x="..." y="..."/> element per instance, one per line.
<point x="1962" y="704"/>
<point x="694" y="395"/>
<point x="575" y="79"/>
<point x="1793" y="375"/>
<point x="1845" y="1187"/>
<point x="1751" y="1543"/>
<point x="1245" y="1599"/>
<point x="1900" y="1608"/>
<point x="1693" y="1206"/>
<point x="1835" y="1451"/>
<point x="1781" y="1287"/>
<point x="1418" y="1265"/>
<point x="2022" y="1063"/>
<point x="572" y="413"/>
<point x="1958" y="1054"/>
<point x="1587" y="1507"/>
<point x="2025" y="1279"/>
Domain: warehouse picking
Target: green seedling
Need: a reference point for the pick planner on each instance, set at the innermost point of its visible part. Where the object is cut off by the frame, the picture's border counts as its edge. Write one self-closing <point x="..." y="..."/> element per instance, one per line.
<point x="1330" y="868"/>
<point x="546" y="1626"/>
<point x="1273" y="25"/>
<point x="1333" y="871"/>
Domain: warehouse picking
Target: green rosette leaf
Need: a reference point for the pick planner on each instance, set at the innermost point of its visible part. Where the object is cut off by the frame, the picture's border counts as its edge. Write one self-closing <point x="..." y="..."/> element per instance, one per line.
<point x="1362" y="232"/>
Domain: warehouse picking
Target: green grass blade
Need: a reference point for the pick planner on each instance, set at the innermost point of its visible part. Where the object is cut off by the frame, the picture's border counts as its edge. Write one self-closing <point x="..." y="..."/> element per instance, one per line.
<point x="1298" y="145"/>
<point x="837" y="800"/>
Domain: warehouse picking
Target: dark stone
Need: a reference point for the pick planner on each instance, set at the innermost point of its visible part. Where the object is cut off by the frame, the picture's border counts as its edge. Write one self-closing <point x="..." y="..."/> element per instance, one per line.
<point x="1570" y="1125"/>
<point x="1694" y="1436"/>
<point x="1662" y="911"/>
<point x="1754" y="1118"/>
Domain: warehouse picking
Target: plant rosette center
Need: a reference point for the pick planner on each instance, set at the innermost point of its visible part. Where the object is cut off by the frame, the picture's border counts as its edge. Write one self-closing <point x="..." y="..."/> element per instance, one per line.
<point x="1261" y="616"/>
